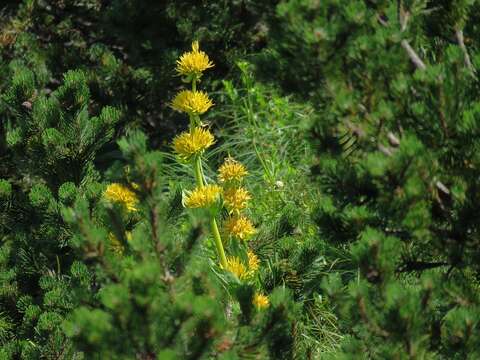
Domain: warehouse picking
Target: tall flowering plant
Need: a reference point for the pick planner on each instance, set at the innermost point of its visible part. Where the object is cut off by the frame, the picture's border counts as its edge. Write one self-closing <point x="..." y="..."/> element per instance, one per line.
<point x="228" y="193"/>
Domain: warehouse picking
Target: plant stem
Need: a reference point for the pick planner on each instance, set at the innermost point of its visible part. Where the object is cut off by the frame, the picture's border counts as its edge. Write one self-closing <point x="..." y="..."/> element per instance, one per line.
<point x="213" y="223"/>
<point x="192" y="122"/>
<point x="194" y="119"/>
<point x="198" y="171"/>
<point x="218" y="242"/>
<point x="199" y="177"/>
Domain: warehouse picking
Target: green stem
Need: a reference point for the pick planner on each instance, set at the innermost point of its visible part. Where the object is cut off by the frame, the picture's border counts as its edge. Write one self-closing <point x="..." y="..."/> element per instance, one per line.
<point x="198" y="171"/>
<point x="213" y="223"/>
<point x="197" y="120"/>
<point x="192" y="122"/>
<point x="194" y="119"/>
<point x="218" y="242"/>
<point x="200" y="178"/>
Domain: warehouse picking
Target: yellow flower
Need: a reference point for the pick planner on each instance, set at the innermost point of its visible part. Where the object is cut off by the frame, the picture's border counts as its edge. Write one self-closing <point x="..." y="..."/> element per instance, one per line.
<point x="239" y="226"/>
<point x="191" y="102"/>
<point x="203" y="197"/>
<point x="253" y="262"/>
<point x="236" y="199"/>
<point x="237" y="268"/>
<point x="121" y="194"/>
<point x="231" y="170"/>
<point x="193" y="62"/>
<point x="261" y="301"/>
<point x="193" y="142"/>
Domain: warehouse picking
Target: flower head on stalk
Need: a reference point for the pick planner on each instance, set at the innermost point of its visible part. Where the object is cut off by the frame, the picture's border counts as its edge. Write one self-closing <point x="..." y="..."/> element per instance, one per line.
<point x="253" y="262"/>
<point x="193" y="63"/>
<point x="118" y="193"/>
<point x="191" y="102"/>
<point x="231" y="171"/>
<point x="239" y="226"/>
<point x="236" y="199"/>
<point x="192" y="143"/>
<point x="203" y="197"/>
<point x="243" y="271"/>
<point x="237" y="268"/>
<point x="260" y="301"/>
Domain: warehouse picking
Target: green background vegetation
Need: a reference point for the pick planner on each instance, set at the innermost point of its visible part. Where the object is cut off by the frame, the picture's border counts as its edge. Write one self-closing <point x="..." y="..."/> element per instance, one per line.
<point x="358" y="121"/>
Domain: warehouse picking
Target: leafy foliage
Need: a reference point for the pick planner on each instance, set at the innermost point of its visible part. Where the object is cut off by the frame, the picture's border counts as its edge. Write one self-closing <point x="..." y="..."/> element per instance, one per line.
<point x="403" y="199"/>
<point x="357" y="122"/>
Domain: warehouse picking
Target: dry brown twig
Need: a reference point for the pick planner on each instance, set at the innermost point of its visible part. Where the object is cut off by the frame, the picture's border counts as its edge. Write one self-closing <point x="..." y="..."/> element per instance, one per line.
<point x="461" y="43"/>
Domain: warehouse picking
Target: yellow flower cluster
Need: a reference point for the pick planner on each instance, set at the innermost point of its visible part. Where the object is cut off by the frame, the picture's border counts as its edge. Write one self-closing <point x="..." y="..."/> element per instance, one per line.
<point x="118" y="193"/>
<point x="253" y="262"/>
<point x="231" y="171"/>
<point x="190" y="146"/>
<point x="236" y="199"/>
<point x="191" y="102"/>
<point x="203" y="197"/>
<point x="239" y="226"/>
<point x="237" y="268"/>
<point x="260" y="301"/>
<point x="194" y="62"/>
<point x="243" y="271"/>
<point x="192" y="143"/>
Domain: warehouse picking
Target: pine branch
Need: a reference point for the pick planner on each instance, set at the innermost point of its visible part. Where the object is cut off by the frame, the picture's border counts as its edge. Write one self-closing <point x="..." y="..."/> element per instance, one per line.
<point x="373" y="326"/>
<point x="403" y="18"/>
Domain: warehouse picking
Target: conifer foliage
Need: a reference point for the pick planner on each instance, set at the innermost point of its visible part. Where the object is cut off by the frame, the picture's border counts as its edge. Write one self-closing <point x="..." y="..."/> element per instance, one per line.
<point x="291" y="179"/>
<point x="396" y="135"/>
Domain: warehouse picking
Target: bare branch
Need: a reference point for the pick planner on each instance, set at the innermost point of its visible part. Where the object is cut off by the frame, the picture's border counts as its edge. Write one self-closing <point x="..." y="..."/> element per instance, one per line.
<point x="385" y="150"/>
<point x="393" y="139"/>
<point x="440" y="186"/>
<point x="413" y="55"/>
<point x="461" y="43"/>
<point x="404" y="17"/>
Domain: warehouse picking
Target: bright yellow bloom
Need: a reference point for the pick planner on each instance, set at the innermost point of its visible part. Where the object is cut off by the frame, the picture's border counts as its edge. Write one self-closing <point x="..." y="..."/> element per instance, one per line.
<point x="203" y="197"/>
<point x="237" y="268"/>
<point x="192" y="102"/>
<point x="253" y="262"/>
<point x="231" y="170"/>
<point x="261" y="301"/>
<point x="192" y="143"/>
<point x="193" y="62"/>
<point x="121" y="194"/>
<point x="239" y="226"/>
<point x="236" y="199"/>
